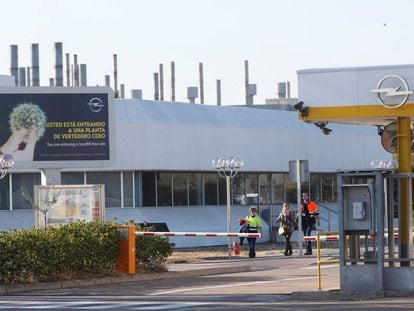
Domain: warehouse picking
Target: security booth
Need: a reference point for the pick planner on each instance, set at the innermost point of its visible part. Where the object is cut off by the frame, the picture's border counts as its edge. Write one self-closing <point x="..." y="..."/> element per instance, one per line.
<point x="375" y="219"/>
<point x="371" y="254"/>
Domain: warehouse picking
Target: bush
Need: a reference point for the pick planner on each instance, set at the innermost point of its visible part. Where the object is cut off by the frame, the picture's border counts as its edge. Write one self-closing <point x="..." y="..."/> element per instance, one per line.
<point x="55" y="253"/>
<point x="151" y="251"/>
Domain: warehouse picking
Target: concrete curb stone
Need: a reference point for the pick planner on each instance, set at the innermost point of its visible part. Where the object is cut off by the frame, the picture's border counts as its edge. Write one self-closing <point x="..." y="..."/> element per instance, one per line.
<point x="19" y="288"/>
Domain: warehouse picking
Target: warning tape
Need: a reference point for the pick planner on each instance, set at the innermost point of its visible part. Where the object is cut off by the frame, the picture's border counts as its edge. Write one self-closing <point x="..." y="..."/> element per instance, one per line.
<point x="200" y="234"/>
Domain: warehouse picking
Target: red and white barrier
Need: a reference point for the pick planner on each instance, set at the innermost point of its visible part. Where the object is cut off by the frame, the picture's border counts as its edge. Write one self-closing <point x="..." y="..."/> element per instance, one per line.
<point x="336" y="237"/>
<point x="322" y="238"/>
<point x="200" y="234"/>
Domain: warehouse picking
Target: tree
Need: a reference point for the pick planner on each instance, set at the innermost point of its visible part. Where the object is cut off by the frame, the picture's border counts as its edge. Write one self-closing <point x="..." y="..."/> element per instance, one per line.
<point x="46" y="203"/>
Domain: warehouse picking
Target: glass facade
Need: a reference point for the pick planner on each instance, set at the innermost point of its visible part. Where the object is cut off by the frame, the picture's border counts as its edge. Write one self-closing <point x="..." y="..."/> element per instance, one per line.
<point x="5" y="193"/>
<point x="23" y="183"/>
<point x="112" y="182"/>
<point x="152" y="189"/>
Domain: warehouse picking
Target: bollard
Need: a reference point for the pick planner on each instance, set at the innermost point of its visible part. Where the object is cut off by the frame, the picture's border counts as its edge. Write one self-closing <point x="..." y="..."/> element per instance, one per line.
<point x="126" y="258"/>
<point x="236" y="248"/>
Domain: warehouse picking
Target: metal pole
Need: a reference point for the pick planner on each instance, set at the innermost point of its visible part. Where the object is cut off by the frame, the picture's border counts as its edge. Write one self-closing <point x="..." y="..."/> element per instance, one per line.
<point x="228" y="215"/>
<point x="67" y="69"/>
<point x="218" y="88"/>
<point x="200" y="69"/>
<point x="404" y="166"/>
<point x="298" y="198"/>
<point x="161" y="82"/>
<point x="246" y="80"/>
<point x="172" y="81"/>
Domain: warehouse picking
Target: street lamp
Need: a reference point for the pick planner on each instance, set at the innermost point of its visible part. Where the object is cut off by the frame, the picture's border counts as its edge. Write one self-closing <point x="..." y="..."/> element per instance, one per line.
<point x="6" y="162"/>
<point x="228" y="167"/>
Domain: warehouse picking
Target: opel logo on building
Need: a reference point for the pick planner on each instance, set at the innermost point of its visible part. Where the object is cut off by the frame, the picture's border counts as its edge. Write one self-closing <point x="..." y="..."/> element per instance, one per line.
<point x="95" y="104"/>
<point x="392" y="91"/>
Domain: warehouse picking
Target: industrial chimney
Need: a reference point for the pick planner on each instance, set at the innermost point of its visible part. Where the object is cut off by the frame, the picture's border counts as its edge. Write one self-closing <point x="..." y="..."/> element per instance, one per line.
<point x="14" y="63"/>
<point x="58" y="64"/>
<point x="35" y="65"/>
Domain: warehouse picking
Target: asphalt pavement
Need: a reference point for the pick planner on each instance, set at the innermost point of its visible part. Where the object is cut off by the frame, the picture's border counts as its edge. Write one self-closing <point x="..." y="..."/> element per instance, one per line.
<point x="294" y="277"/>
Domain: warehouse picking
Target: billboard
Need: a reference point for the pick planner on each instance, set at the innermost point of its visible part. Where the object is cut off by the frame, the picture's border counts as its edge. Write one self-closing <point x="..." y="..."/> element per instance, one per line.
<point x="57" y="127"/>
<point x="62" y="204"/>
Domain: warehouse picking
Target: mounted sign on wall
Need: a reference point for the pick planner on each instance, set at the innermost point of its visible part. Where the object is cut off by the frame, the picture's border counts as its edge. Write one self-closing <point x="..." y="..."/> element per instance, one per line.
<point x="57" y="127"/>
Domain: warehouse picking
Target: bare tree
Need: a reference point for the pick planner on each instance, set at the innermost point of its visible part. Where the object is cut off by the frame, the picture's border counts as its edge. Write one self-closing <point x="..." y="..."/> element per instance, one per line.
<point x="45" y="204"/>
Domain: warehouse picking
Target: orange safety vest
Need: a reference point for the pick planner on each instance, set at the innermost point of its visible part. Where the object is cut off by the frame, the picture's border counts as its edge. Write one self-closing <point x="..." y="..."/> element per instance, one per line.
<point x="312" y="207"/>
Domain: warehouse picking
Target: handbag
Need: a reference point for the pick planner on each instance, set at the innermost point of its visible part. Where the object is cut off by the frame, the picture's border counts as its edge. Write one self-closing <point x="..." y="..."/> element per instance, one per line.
<point x="281" y="230"/>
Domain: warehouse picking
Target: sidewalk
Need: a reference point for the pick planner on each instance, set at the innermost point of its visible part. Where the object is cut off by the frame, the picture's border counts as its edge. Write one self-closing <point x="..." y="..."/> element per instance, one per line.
<point x="295" y="276"/>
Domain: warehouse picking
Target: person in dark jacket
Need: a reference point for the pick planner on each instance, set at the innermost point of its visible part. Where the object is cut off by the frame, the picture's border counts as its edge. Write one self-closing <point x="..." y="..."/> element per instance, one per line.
<point x="287" y="219"/>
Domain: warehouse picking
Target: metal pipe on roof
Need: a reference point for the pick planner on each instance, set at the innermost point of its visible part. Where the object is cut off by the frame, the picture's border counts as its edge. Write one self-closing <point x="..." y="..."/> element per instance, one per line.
<point x="51" y="82"/>
<point x="22" y="76"/>
<point x="73" y="75"/>
<point x="200" y="70"/>
<point x="108" y="80"/>
<point x="58" y="63"/>
<point x="288" y="89"/>
<point x="246" y="80"/>
<point x="172" y="81"/>
<point x="14" y="63"/>
<point x="161" y="82"/>
<point x="67" y="69"/>
<point x="76" y="69"/>
<point x="35" y="65"/>
<point x="156" y="87"/>
<point x="116" y="75"/>
<point x="28" y="77"/>
<point x="122" y="86"/>
<point x="218" y="91"/>
<point x="83" y="75"/>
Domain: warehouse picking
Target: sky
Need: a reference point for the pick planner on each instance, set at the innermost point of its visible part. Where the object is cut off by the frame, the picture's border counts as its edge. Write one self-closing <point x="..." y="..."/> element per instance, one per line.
<point x="277" y="37"/>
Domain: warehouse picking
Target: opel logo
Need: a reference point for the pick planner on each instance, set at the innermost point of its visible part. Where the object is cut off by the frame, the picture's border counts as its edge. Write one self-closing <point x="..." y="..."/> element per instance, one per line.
<point x="392" y="91"/>
<point x="95" y="104"/>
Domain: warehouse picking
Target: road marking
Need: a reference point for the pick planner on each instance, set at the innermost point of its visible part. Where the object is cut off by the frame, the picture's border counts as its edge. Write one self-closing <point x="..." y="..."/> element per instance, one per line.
<point x="233" y="285"/>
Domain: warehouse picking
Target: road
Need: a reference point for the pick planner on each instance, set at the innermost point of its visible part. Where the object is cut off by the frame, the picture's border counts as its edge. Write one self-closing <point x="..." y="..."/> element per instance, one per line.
<point x="267" y="287"/>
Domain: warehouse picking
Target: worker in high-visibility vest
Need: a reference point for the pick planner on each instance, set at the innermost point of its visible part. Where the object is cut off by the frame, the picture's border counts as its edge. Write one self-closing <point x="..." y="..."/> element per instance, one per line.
<point x="310" y="217"/>
<point x="254" y="226"/>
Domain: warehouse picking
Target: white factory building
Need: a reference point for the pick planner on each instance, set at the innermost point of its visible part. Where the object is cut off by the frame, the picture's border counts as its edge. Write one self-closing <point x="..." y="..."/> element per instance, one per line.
<point x="162" y="172"/>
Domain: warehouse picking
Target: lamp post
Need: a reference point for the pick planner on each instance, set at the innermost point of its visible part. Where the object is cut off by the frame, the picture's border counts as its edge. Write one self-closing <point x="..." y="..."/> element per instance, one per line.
<point x="228" y="167"/>
<point x="6" y="162"/>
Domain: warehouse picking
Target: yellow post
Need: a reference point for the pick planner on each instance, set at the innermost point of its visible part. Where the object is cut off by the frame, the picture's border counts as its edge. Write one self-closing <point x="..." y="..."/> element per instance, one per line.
<point x="318" y="259"/>
<point x="404" y="166"/>
<point x="126" y="257"/>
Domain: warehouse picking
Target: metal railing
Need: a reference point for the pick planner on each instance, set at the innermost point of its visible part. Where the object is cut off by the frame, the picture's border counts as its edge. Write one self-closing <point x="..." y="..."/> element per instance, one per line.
<point x="324" y="236"/>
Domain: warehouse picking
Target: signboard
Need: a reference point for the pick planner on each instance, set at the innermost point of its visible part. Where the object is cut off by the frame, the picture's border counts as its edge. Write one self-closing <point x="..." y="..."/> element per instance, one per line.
<point x="304" y="170"/>
<point x="62" y="204"/>
<point x="57" y="127"/>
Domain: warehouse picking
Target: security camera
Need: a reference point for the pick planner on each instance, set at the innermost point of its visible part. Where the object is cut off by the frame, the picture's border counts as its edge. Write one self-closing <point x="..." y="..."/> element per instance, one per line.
<point x="304" y="111"/>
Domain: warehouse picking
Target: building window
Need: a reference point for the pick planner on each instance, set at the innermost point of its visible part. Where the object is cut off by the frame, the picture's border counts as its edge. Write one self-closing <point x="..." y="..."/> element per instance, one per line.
<point x="291" y="191"/>
<point x="195" y="189"/>
<point x="149" y="192"/>
<point x="128" y="190"/>
<point x="222" y="191"/>
<point x="327" y="182"/>
<point x="180" y="193"/>
<point x="23" y="182"/>
<point x="70" y="178"/>
<point x="239" y="191"/>
<point x="137" y="189"/>
<point x="278" y="188"/>
<point x="164" y="189"/>
<point x="4" y="193"/>
<point x="112" y="182"/>
<point x="265" y="188"/>
<point x="315" y="187"/>
<point x="252" y="190"/>
<point x="210" y="189"/>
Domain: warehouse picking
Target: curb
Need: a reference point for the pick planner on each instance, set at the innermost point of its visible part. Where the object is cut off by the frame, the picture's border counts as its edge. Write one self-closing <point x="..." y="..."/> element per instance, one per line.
<point x="348" y="295"/>
<point x="20" y="288"/>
